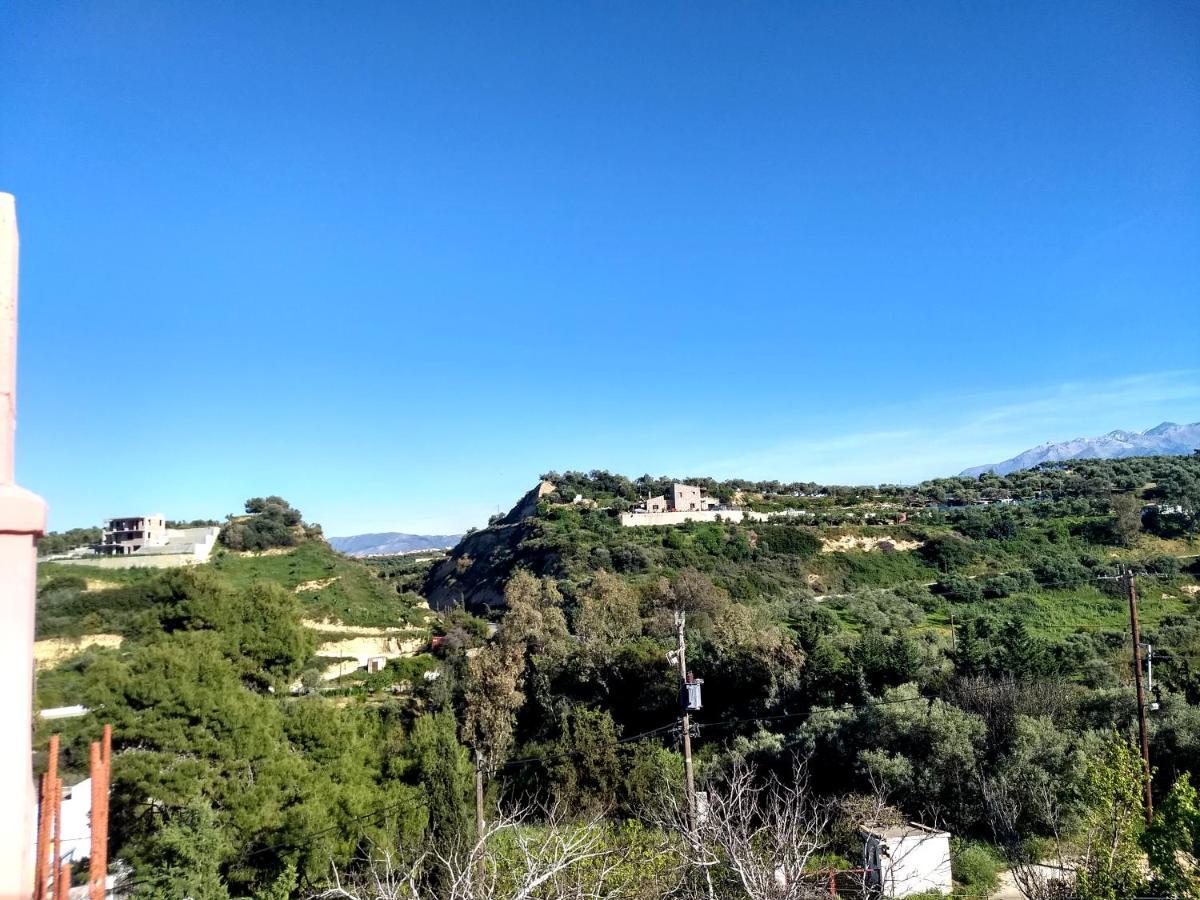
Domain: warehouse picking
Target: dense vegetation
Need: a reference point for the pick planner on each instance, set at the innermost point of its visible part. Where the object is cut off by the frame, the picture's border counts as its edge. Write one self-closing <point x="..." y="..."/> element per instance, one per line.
<point x="62" y="541"/>
<point x="964" y="664"/>
<point x="1173" y="481"/>
<point x="269" y="522"/>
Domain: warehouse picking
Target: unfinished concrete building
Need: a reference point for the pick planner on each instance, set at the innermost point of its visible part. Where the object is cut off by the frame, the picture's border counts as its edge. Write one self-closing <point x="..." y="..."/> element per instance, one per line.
<point x="130" y="542"/>
<point x="131" y="533"/>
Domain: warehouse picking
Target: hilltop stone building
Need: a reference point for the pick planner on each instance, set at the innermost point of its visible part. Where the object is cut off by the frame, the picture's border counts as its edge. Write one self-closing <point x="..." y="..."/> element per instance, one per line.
<point x="682" y="498"/>
<point x="686" y="498"/>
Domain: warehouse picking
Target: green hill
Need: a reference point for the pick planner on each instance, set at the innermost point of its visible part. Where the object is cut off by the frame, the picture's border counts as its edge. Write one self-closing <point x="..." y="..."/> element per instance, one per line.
<point x="933" y="644"/>
<point x="327" y="586"/>
<point x="1037" y="539"/>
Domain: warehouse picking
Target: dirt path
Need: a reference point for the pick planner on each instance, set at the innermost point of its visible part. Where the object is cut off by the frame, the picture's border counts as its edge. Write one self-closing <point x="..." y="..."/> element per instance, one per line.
<point x="1045" y="873"/>
<point x="1008" y="889"/>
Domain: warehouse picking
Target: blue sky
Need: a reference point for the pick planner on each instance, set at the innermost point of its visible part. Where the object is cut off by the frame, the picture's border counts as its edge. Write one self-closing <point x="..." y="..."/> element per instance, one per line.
<point x="394" y="260"/>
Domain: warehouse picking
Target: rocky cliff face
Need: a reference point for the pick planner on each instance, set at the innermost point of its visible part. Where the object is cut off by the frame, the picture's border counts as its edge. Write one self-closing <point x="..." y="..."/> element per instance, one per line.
<point x="1167" y="439"/>
<point x="475" y="572"/>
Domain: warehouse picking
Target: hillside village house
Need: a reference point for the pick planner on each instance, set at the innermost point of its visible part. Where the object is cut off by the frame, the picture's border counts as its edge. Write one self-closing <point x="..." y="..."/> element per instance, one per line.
<point x="682" y="498"/>
<point x="685" y="498"/>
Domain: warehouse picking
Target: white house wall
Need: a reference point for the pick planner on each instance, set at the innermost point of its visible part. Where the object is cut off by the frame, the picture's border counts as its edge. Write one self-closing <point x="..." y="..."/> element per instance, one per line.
<point x="915" y="864"/>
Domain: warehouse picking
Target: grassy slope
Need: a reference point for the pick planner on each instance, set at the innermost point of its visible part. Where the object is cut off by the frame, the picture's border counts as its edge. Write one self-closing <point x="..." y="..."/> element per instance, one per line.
<point x="363" y="594"/>
<point x="357" y="595"/>
<point x="586" y="540"/>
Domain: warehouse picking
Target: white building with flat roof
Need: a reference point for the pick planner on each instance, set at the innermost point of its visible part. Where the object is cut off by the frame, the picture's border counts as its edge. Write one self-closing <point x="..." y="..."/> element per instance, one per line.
<point x="133" y="542"/>
<point x="130" y="534"/>
<point x="902" y="860"/>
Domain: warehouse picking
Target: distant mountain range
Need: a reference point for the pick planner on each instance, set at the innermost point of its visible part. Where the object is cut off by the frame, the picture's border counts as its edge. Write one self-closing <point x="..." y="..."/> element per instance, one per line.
<point x="1167" y="439"/>
<point x="392" y="543"/>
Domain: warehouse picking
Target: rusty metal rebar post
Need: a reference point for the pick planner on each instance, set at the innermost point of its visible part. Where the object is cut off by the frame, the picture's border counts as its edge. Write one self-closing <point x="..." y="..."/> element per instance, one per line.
<point x="56" y="822"/>
<point x="47" y="819"/>
<point x="56" y="857"/>
<point x="106" y="765"/>
<point x="95" y="862"/>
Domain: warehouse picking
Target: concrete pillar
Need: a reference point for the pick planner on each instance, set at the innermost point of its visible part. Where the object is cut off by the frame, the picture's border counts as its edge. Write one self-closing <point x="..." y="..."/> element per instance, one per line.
<point x="22" y="518"/>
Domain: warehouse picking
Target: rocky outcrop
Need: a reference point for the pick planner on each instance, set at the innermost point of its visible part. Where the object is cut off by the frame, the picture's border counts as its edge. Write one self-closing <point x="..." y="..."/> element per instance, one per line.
<point x="526" y="507"/>
<point x="475" y="572"/>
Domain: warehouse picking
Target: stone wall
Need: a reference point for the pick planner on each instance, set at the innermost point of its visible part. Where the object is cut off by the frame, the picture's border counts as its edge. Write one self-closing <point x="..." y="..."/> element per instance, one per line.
<point x="636" y="520"/>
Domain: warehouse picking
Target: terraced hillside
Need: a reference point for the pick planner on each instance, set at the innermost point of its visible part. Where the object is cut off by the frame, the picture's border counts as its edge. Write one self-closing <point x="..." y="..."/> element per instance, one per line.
<point x="922" y="648"/>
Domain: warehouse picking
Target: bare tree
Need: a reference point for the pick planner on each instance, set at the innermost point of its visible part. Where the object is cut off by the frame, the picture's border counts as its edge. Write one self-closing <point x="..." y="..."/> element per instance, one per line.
<point x="514" y="859"/>
<point x="1009" y="806"/>
<point x="384" y="875"/>
<point x="757" y="832"/>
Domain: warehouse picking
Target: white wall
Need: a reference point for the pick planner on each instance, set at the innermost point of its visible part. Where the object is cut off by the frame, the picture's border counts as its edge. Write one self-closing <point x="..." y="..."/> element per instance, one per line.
<point x="77" y="821"/>
<point x="634" y="520"/>
<point x="913" y="864"/>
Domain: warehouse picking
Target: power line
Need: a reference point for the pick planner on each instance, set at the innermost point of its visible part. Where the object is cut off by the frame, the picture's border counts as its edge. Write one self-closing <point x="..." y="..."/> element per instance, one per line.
<point x="567" y="753"/>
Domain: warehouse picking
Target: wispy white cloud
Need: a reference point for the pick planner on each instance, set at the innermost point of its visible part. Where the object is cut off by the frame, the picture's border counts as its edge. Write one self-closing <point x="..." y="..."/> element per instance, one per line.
<point x="1128" y="395"/>
<point x="913" y="436"/>
<point x="943" y="434"/>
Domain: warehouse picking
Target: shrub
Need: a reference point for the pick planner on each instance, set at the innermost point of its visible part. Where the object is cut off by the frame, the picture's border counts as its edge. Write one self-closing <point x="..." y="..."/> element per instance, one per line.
<point x="948" y="552"/>
<point x="975" y="866"/>
<point x="629" y="558"/>
<point x="1000" y="586"/>
<point x="269" y="522"/>
<point x="790" y="540"/>
<point x="962" y="590"/>
<point x="1164" y="565"/>
<point x="1060" y="571"/>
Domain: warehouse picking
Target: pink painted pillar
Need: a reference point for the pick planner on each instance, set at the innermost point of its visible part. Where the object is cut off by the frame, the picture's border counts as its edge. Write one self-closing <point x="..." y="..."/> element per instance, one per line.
<point x="22" y="518"/>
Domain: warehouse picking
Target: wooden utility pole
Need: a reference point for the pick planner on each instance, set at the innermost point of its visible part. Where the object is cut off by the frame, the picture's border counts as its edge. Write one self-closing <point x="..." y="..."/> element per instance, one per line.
<point x="1131" y="590"/>
<point x="685" y="720"/>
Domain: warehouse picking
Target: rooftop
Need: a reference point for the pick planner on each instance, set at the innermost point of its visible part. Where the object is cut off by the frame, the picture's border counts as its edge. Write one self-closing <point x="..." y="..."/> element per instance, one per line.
<point x="910" y="829"/>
